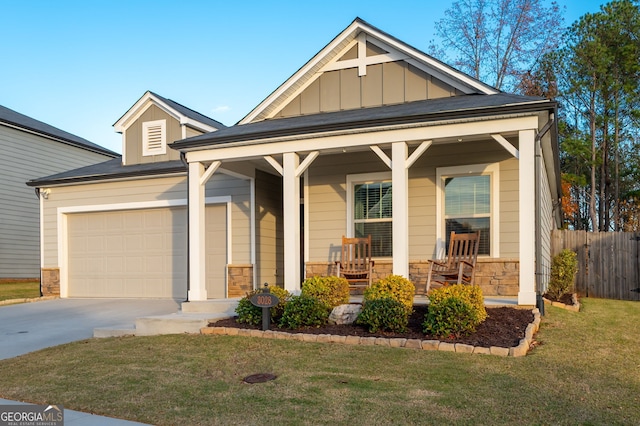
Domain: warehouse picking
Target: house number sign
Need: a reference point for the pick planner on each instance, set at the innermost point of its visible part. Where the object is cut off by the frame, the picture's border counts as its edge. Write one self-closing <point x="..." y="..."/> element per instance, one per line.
<point x="265" y="300"/>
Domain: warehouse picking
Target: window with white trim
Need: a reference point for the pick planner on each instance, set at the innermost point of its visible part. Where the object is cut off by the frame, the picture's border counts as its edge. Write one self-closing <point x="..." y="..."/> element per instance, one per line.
<point x="154" y="137"/>
<point x="468" y="200"/>
<point x="372" y="212"/>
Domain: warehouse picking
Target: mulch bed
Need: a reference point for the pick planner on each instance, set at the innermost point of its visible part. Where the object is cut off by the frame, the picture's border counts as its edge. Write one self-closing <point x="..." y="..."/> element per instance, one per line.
<point x="503" y="327"/>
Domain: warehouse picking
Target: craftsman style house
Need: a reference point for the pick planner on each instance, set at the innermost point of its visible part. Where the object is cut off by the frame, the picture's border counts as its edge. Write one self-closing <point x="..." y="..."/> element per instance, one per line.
<point x="370" y="137"/>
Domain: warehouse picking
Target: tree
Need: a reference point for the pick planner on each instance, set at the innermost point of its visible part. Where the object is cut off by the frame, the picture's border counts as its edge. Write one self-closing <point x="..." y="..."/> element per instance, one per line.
<point x="598" y="77"/>
<point x="498" y="41"/>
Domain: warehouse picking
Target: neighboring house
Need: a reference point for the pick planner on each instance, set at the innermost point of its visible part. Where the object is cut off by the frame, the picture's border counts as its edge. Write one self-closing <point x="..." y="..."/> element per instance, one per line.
<point x="371" y="136"/>
<point x="32" y="148"/>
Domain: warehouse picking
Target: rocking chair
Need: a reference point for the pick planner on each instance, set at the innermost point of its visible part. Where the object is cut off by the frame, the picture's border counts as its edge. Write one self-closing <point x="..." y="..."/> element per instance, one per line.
<point x="355" y="263"/>
<point x="459" y="267"/>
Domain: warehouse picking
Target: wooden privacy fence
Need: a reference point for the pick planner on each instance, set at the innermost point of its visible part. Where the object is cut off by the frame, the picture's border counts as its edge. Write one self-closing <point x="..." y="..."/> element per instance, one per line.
<point x="608" y="262"/>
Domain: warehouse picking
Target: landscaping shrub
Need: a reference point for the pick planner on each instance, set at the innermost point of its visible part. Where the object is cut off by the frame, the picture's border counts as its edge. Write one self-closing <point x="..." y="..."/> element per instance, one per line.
<point x="332" y="291"/>
<point x="563" y="271"/>
<point x="303" y="310"/>
<point x="385" y="314"/>
<point x="454" y="310"/>
<point x="395" y="287"/>
<point x="249" y="313"/>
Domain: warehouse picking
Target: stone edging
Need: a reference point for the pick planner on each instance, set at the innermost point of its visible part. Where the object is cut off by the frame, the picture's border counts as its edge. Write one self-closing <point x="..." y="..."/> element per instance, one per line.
<point x="574" y="308"/>
<point x="35" y="299"/>
<point x="516" y="351"/>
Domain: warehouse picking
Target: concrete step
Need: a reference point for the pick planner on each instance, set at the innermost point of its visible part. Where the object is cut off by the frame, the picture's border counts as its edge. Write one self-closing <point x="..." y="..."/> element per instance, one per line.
<point x="115" y="331"/>
<point x="178" y="323"/>
<point x="223" y="306"/>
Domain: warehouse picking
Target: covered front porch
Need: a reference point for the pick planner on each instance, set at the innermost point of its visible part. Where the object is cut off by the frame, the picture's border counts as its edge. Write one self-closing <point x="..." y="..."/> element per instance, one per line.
<point x="316" y="170"/>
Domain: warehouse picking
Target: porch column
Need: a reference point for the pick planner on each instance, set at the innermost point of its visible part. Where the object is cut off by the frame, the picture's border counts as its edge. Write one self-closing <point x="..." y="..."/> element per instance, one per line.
<point x="400" y="199"/>
<point x="527" y="226"/>
<point x="291" y="216"/>
<point x="197" y="283"/>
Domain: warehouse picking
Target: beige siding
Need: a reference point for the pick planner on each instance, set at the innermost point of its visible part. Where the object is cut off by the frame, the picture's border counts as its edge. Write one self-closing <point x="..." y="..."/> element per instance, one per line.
<point x="328" y="194"/>
<point x="384" y="84"/>
<point x="546" y="225"/>
<point x="191" y="132"/>
<point x="149" y="190"/>
<point x="26" y="156"/>
<point x="269" y="229"/>
<point x="133" y="137"/>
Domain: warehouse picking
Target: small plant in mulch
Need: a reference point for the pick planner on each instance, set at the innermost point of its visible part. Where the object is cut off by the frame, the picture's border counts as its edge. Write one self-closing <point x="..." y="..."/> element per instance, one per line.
<point x="564" y="267"/>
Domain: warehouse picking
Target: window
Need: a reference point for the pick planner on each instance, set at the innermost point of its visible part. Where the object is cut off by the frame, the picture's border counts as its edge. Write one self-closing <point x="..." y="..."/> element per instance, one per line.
<point x="154" y="137"/>
<point x="372" y="212"/>
<point x="467" y="203"/>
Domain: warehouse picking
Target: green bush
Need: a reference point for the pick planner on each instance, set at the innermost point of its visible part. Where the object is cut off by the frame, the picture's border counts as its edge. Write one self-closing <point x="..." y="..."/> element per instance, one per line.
<point x="451" y="317"/>
<point x="333" y="291"/>
<point x="454" y="310"/>
<point x="395" y="287"/>
<point x="563" y="271"/>
<point x="249" y="313"/>
<point x="471" y="294"/>
<point x="385" y="314"/>
<point x="301" y="311"/>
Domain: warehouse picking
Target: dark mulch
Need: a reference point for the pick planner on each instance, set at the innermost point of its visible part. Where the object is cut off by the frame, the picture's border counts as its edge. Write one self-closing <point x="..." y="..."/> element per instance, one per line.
<point x="503" y="327"/>
<point x="566" y="298"/>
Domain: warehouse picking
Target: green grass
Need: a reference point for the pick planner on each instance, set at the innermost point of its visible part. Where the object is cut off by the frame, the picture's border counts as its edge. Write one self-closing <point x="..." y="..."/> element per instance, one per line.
<point x="19" y="290"/>
<point x="585" y="370"/>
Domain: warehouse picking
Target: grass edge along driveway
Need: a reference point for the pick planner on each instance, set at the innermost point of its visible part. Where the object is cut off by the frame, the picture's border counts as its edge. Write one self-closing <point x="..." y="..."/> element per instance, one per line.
<point x="585" y="369"/>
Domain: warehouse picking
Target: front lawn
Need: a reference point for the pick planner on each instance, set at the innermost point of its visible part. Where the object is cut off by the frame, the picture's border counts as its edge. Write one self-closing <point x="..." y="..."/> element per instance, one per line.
<point x="584" y="370"/>
<point x="10" y="290"/>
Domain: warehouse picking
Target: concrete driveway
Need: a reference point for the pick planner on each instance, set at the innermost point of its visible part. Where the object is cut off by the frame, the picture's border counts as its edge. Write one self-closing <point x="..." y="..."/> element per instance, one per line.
<point x="29" y="327"/>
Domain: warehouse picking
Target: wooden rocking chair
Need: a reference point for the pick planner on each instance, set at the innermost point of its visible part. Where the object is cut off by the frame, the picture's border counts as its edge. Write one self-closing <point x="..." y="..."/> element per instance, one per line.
<point x="460" y="264"/>
<point x="355" y="262"/>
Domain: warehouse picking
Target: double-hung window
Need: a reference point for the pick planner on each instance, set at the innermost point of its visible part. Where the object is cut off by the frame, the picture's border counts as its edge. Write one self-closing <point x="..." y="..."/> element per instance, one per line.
<point x="468" y="203"/>
<point x="371" y="211"/>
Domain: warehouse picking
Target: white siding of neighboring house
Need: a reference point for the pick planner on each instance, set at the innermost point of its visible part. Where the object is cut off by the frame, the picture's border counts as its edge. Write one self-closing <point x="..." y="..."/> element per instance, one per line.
<point x="27" y="156"/>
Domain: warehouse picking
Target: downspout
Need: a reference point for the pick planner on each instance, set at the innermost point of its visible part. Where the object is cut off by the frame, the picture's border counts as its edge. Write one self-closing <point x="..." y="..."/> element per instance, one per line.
<point x="538" y="213"/>
<point x="183" y="158"/>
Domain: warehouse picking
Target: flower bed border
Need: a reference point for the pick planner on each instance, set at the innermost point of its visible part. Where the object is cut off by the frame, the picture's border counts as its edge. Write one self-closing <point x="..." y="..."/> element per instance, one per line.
<point x="429" y="345"/>
<point x="575" y="307"/>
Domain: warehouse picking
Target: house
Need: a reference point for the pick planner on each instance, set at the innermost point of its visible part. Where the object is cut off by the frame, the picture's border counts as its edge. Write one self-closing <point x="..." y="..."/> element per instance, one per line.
<point x="31" y="148"/>
<point x="371" y="136"/>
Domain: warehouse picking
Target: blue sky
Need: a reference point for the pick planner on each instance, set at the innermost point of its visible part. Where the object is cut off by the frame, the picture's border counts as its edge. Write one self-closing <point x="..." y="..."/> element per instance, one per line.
<point x="80" y="65"/>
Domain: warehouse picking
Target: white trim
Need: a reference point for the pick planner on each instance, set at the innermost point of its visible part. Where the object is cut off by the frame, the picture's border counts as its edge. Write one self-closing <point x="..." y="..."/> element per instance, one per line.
<point x="63" y="235"/>
<point x="209" y="172"/>
<point x="527" y="224"/>
<point x="361" y="178"/>
<point x="383" y="156"/>
<point x="274" y="163"/>
<point x="493" y="170"/>
<point x="306" y="196"/>
<point x="302" y="167"/>
<point x="362" y="137"/>
<point x="252" y="231"/>
<point x="506" y="145"/>
<point x="41" y="203"/>
<point x="417" y="153"/>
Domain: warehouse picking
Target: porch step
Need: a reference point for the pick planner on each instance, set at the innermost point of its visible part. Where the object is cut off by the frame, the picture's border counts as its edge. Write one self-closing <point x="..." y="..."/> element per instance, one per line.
<point x="225" y="306"/>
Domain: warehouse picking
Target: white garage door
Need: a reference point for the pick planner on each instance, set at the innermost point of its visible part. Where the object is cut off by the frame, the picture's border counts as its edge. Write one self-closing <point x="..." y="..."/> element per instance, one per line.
<point x="138" y="253"/>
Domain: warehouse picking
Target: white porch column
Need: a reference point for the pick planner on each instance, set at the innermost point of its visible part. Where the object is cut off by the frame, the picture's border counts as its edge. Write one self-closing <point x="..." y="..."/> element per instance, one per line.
<point x="527" y="227"/>
<point x="400" y="197"/>
<point x="291" y="215"/>
<point x="197" y="283"/>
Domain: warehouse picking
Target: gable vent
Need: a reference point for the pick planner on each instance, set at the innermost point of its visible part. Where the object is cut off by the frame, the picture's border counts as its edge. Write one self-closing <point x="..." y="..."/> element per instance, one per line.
<point x="154" y="137"/>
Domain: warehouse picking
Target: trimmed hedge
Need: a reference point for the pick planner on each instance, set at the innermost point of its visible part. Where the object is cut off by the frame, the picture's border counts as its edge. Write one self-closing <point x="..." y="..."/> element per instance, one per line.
<point x="454" y="310"/>
<point x="395" y="287"/>
<point x="332" y="290"/>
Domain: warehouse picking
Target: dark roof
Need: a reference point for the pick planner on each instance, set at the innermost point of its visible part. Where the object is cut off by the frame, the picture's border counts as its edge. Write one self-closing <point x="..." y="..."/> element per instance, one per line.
<point x="112" y="169"/>
<point x="188" y="112"/>
<point x="457" y="107"/>
<point x="21" y="121"/>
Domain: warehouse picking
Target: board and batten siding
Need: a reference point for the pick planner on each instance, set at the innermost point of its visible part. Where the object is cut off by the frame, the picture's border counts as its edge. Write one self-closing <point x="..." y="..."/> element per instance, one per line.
<point x="84" y="197"/>
<point x="328" y="194"/>
<point x="384" y="84"/>
<point x="133" y="137"/>
<point x="26" y="156"/>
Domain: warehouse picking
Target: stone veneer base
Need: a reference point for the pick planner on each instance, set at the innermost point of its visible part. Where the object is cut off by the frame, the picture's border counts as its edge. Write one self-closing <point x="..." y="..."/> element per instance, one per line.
<point x="517" y="351"/>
